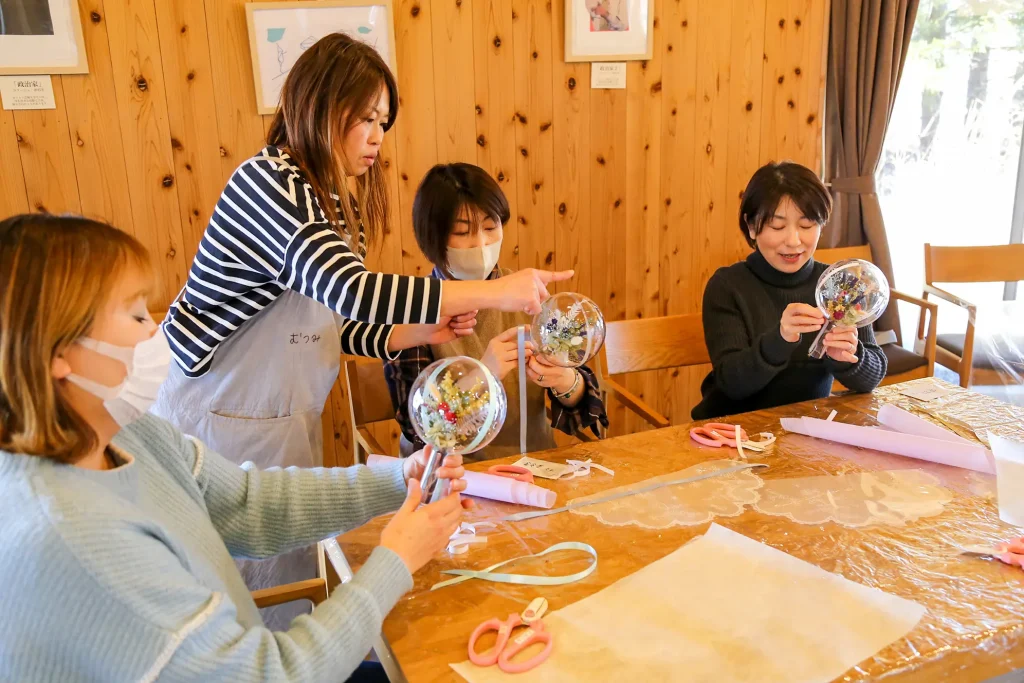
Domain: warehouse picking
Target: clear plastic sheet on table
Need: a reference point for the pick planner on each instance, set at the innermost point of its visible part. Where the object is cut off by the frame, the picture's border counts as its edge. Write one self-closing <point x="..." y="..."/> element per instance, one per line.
<point x="974" y="625"/>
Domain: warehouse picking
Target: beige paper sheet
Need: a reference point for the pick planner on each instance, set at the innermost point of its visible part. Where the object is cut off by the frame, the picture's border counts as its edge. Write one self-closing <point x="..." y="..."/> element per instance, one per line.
<point x="722" y="609"/>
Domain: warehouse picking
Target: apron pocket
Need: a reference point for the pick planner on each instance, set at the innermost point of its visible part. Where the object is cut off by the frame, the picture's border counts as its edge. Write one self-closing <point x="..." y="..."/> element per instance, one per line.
<point x="291" y="441"/>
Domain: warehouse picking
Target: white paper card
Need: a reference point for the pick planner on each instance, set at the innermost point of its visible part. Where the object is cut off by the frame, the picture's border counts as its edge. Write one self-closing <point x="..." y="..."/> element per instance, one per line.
<point x="723" y="608"/>
<point x="925" y="393"/>
<point x="1009" y="456"/>
<point x="608" y="75"/>
<point x="542" y="468"/>
<point x="27" y="92"/>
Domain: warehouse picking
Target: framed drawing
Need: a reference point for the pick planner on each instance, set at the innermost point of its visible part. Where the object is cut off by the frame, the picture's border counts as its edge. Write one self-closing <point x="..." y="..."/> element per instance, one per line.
<point x="608" y="30"/>
<point x="41" y="37"/>
<point x="281" y="31"/>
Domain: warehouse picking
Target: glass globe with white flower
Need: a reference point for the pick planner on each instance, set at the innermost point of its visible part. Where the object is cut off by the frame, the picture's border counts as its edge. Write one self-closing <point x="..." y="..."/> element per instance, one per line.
<point x="568" y="331"/>
<point x="456" y="406"/>
<point x="851" y="293"/>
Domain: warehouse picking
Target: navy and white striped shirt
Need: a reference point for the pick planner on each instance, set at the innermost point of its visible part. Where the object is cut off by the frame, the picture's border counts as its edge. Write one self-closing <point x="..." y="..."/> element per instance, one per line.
<point x="268" y="234"/>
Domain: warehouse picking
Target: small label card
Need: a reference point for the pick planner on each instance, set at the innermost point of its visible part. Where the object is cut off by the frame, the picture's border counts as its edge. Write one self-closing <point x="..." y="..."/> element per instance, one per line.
<point x="608" y="75"/>
<point x="541" y="468"/>
<point x="925" y="393"/>
<point x="27" y="92"/>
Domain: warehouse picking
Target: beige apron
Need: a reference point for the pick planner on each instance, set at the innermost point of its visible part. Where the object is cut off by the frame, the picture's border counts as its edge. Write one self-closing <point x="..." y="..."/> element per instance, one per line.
<point x="261" y="401"/>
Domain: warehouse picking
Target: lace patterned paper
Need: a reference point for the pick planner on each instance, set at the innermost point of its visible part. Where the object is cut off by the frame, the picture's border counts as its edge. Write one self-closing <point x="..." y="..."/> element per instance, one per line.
<point x="683" y="505"/>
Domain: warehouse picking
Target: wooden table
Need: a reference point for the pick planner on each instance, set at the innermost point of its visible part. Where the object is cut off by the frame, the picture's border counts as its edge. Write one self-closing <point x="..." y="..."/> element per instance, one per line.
<point x="974" y="626"/>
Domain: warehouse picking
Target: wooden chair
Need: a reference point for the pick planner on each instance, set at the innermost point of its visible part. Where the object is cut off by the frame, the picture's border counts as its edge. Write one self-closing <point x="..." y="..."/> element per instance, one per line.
<point x="958" y="352"/>
<point x="649" y="344"/>
<point x="904" y="365"/>
<point x="369" y="402"/>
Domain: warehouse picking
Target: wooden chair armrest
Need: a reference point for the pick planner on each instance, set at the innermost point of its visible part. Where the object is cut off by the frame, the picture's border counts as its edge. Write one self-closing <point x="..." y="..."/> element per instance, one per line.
<point x="635" y="403"/>
<point x="931" y="306"/>
<point x="951" y="298"/>
<point x="311" y="589"/>
<point x="365" y="439"/>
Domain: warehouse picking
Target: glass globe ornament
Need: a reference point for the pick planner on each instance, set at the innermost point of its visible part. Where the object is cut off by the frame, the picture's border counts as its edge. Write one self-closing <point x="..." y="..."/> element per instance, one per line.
<point x="851" y="293"/>
<point x="568" y="331"/>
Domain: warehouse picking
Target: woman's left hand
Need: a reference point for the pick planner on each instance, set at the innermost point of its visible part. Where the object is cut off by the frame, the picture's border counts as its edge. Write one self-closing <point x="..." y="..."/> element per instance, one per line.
<point x="841" y="344"/>
<point x="451" y="469"/>
<point x="557" y="379"/>
<point x="450" y="329"/>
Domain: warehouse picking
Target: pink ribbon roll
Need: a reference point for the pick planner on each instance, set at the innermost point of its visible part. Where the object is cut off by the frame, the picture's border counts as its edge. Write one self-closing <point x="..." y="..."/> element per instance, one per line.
<point x="493" y="487"/>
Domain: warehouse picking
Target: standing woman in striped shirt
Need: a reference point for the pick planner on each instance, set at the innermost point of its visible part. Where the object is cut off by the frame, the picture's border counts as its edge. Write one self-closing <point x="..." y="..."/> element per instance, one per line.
<point x="278" y="290"/>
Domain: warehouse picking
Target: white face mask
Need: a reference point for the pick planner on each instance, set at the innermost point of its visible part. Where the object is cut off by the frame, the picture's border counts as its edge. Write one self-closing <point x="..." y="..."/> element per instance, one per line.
<point x="473" y="264"/>
<point x="147" y="364"/>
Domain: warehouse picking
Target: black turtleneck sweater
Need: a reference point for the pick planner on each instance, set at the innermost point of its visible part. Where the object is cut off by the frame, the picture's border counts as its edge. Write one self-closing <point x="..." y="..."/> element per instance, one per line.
<point x="753" y="366"/>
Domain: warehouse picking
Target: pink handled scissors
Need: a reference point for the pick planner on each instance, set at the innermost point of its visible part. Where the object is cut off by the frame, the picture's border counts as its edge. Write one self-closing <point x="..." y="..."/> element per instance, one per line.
<point x="717" y="434"/>
<point x="516" y="472"/>
<point x="510" y="644"/>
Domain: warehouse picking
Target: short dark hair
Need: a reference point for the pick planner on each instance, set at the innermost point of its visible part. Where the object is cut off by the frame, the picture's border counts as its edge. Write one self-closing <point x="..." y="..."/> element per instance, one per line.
<point x="774" y="181"/>
<point x="444" y="190"/>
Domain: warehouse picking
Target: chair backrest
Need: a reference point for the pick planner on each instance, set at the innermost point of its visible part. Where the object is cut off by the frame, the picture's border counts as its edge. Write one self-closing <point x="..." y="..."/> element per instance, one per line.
<point x="1000" y="263"/>
<point x="368" y="391"/>
<point x="831" y="256"/>
<point x="654" y="344"/>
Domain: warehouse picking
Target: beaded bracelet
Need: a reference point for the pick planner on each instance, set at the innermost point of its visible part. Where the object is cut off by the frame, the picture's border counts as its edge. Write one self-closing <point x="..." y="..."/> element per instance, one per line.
<point x="575" y="383"/>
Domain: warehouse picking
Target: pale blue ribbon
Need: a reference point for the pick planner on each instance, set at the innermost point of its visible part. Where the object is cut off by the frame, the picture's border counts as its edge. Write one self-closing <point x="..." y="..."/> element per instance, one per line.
<point x="488" y="574"/>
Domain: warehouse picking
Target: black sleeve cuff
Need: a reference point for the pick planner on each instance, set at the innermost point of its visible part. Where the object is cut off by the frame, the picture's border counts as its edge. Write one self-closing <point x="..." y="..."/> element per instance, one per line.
<point x="776" y="350"/>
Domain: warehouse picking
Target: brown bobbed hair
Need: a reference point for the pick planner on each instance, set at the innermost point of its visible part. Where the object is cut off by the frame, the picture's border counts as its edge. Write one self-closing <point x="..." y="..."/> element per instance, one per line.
<point x="334" y="85"/>
<point x="770" y="184"/>
<point x="56" y="274"/>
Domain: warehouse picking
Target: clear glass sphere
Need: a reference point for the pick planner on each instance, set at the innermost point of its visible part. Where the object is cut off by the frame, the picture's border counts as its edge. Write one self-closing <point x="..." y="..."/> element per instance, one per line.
<point x="852" y="293"/>
<point x="456" y="405"/>
<point x="568" y="331"/>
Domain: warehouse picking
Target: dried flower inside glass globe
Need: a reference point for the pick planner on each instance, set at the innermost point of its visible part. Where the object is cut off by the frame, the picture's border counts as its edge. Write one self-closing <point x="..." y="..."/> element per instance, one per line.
<point x="568" y="331"/>
<point x="456" y="406"/>
<point x="851" y="293"/>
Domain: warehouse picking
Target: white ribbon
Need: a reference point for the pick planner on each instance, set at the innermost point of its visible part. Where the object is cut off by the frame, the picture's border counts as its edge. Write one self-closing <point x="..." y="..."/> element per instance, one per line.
<point x="466" y="535"/>
<point x="581" y="468"/>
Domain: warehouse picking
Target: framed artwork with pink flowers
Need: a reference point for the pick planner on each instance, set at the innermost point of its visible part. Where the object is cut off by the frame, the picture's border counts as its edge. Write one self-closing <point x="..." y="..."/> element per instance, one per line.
<point x="608" y="30"/>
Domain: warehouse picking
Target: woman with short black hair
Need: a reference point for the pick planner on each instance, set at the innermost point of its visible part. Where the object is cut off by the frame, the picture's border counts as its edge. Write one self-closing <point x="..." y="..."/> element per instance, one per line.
<point x="760" y="316"/>
<point x="458" y="216"/>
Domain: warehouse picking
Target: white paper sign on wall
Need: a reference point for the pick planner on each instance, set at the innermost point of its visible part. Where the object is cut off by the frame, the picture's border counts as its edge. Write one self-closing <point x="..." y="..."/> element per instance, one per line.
<point x="608" y="75"/>
<point x="27" y="92"/>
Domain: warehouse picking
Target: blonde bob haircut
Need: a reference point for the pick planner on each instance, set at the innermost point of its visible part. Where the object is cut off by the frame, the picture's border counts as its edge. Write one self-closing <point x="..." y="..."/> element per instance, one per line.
<point x="56" y="273"/>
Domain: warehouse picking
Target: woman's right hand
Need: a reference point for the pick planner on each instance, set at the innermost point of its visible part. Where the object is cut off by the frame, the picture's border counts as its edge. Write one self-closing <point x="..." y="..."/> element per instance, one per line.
<point x="525" y="290"/>
<point x="800" y="319"/>
<point x="417" y="533"/>
<point x="502" y="354"/>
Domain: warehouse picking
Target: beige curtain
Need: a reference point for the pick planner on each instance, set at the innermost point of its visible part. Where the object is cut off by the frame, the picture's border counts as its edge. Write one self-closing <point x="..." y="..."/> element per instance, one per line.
<point x="867" y="49"/>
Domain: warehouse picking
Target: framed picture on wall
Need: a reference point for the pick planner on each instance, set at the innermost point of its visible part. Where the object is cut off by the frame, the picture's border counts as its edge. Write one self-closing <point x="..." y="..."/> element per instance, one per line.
<point x="281" y="31"/>
<point x="608" y="30"/>
<point x="41" y="37"/>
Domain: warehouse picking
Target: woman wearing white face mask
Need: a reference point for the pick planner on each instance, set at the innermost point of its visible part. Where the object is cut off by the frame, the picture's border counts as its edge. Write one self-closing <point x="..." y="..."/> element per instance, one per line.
<point x="457" y="215"/>
<point x="119" y="529"/>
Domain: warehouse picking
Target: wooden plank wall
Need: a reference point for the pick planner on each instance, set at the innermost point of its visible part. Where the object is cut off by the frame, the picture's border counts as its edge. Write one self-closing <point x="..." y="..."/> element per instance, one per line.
<point x="637" y="189"/>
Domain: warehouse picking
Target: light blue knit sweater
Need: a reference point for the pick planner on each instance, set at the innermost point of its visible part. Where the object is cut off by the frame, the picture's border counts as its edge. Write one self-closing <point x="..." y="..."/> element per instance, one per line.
<point x="126" y="574"/>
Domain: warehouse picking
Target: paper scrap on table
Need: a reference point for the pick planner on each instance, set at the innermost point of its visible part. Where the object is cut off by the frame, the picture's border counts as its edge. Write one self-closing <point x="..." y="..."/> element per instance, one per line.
<point x="925" y="393"/>
<point x="723" y="608"/>
<point x="543" y="468"/>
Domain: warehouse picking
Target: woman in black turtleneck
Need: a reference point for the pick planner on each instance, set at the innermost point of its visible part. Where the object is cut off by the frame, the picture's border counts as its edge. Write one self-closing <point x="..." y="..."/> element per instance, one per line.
<point x="760" y="315"/>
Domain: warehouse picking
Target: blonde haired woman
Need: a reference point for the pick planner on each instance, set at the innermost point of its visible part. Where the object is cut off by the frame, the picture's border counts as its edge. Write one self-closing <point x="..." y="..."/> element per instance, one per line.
<point x="118" y="530"/>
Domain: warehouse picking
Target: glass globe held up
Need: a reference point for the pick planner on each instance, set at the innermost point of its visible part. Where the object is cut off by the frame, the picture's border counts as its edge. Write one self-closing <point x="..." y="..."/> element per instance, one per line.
<point x="568" y="331"/>
<point x="851" y="293"/>
<point x="456" y="406"/>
